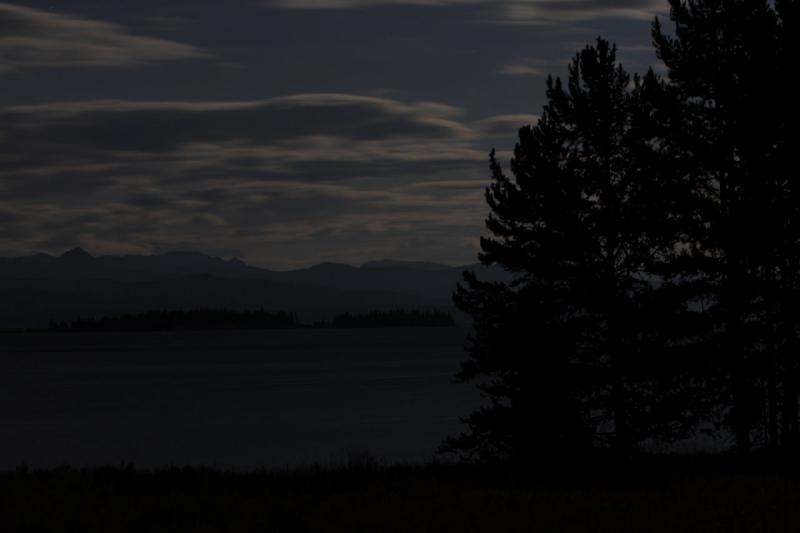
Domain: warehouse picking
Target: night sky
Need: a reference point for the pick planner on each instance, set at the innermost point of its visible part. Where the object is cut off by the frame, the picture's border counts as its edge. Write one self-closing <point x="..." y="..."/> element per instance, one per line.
<point x="283" y="132"/>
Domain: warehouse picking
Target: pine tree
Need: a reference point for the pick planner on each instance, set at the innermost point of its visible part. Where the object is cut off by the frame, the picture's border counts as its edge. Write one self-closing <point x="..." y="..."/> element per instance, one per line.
<point x="787" y="290"/>
<point x="567" y="350"/>
<point x="722" y="66"/>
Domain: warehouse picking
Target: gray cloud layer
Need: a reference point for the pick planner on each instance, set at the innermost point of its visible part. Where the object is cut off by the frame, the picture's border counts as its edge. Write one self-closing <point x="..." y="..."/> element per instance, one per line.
<point x="322" y="176"/>
<point x="36" y="38"/>
<point x="515" y="11"/>
<point x="283" y="181"/>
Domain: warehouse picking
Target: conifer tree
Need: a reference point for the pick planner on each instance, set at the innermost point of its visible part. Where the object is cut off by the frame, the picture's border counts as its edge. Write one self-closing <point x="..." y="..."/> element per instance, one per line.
<point x="722" y="60"/>
<point x="567" y="351"/>
<point x="787" y="291"/>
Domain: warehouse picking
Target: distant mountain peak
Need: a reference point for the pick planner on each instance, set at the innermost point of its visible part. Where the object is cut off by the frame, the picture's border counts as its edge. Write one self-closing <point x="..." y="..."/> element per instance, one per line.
<point x="76" y="253"/>
<point x="330" y="265"/>
<point x="395" y="264"/>
<point x="187" y="254"/>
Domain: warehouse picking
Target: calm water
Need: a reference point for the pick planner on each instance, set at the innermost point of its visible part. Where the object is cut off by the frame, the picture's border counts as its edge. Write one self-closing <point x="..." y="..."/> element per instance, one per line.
<point x="228" y="399"/>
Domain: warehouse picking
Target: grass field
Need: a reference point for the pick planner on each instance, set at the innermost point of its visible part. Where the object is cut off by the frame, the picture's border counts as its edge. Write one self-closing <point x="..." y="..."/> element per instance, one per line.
<point x="646" y="498"/>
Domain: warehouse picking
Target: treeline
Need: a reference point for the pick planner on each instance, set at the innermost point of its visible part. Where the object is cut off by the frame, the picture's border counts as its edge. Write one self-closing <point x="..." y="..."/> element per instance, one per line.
<point x="393" y="319"/>
<point x="653" y="224"/>
<point x="198" y="319"/>
<point x="222" y="319"/>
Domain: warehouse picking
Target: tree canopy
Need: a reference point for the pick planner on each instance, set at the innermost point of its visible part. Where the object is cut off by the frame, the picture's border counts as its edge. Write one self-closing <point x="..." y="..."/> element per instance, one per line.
<point x="653" y="232"/>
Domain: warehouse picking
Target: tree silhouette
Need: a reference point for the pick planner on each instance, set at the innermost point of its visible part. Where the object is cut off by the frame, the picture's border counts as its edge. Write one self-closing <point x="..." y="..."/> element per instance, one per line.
<point x="653" y="228"/>
<point x="787" y="257"/>
<point x="722" y="61"/>
<point x="566" y="352"/>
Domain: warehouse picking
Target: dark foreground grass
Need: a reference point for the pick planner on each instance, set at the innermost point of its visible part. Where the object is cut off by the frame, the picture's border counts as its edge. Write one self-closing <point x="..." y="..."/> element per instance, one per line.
<point x="647" y="497"/>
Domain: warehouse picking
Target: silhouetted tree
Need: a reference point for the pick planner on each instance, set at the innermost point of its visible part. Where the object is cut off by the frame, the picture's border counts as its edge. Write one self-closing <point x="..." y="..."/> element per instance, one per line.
<point x="788" y="255"/>
<point x="722" y="61"/>
<point x="567" y="350"/>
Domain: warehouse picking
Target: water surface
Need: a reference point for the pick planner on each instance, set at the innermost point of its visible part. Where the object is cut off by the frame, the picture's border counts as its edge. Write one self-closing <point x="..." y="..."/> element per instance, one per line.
<point x="228" y="399"/>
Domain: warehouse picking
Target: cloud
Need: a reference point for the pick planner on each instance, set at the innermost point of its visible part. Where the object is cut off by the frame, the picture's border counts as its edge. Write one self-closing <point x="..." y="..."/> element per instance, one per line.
<point x="293" y="179"/>
<point x="539" y="11"/>
<point x="316" y="136"/>
<point x="36" y="38"/>
<point x="525" y="66"/>
<point x="505" y="125"/>
<point x="354" y="4"/>
<point x="165" y="126"/>
<point x="519" y="69"/>
<point x="512" y="11"/>
<point x="280" y="224"/>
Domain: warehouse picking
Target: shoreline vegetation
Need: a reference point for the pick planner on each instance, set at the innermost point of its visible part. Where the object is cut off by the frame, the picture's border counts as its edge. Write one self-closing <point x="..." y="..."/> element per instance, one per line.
<point x="225" y="319"/>
<point x="656" y="494"/>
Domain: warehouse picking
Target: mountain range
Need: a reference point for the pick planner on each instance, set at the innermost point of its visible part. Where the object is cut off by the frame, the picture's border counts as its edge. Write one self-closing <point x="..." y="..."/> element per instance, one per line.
<point x="38" y="288"/>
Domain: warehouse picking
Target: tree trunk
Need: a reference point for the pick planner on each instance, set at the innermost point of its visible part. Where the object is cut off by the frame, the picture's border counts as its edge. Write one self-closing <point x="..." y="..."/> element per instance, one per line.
<point x="789" y="424"/>
<point x="741" y="417"/>
<point x="772" y="409"/>
<point x="772" y="386"/>
<point x="623" y="439"/>
<point x="740" y="386"/>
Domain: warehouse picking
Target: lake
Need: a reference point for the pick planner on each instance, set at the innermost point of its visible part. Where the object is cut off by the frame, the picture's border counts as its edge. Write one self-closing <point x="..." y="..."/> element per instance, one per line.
<point x="240" y="400"/>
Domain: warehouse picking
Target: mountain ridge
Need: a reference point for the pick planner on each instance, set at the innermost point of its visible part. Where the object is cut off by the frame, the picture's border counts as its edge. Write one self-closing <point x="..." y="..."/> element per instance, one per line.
<point x="37" y="288"/>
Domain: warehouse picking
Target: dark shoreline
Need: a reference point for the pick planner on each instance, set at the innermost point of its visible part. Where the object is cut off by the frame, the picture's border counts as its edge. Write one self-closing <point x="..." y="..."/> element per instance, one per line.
<point x="222" y="319"/>
<point x="232" y="330"/>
